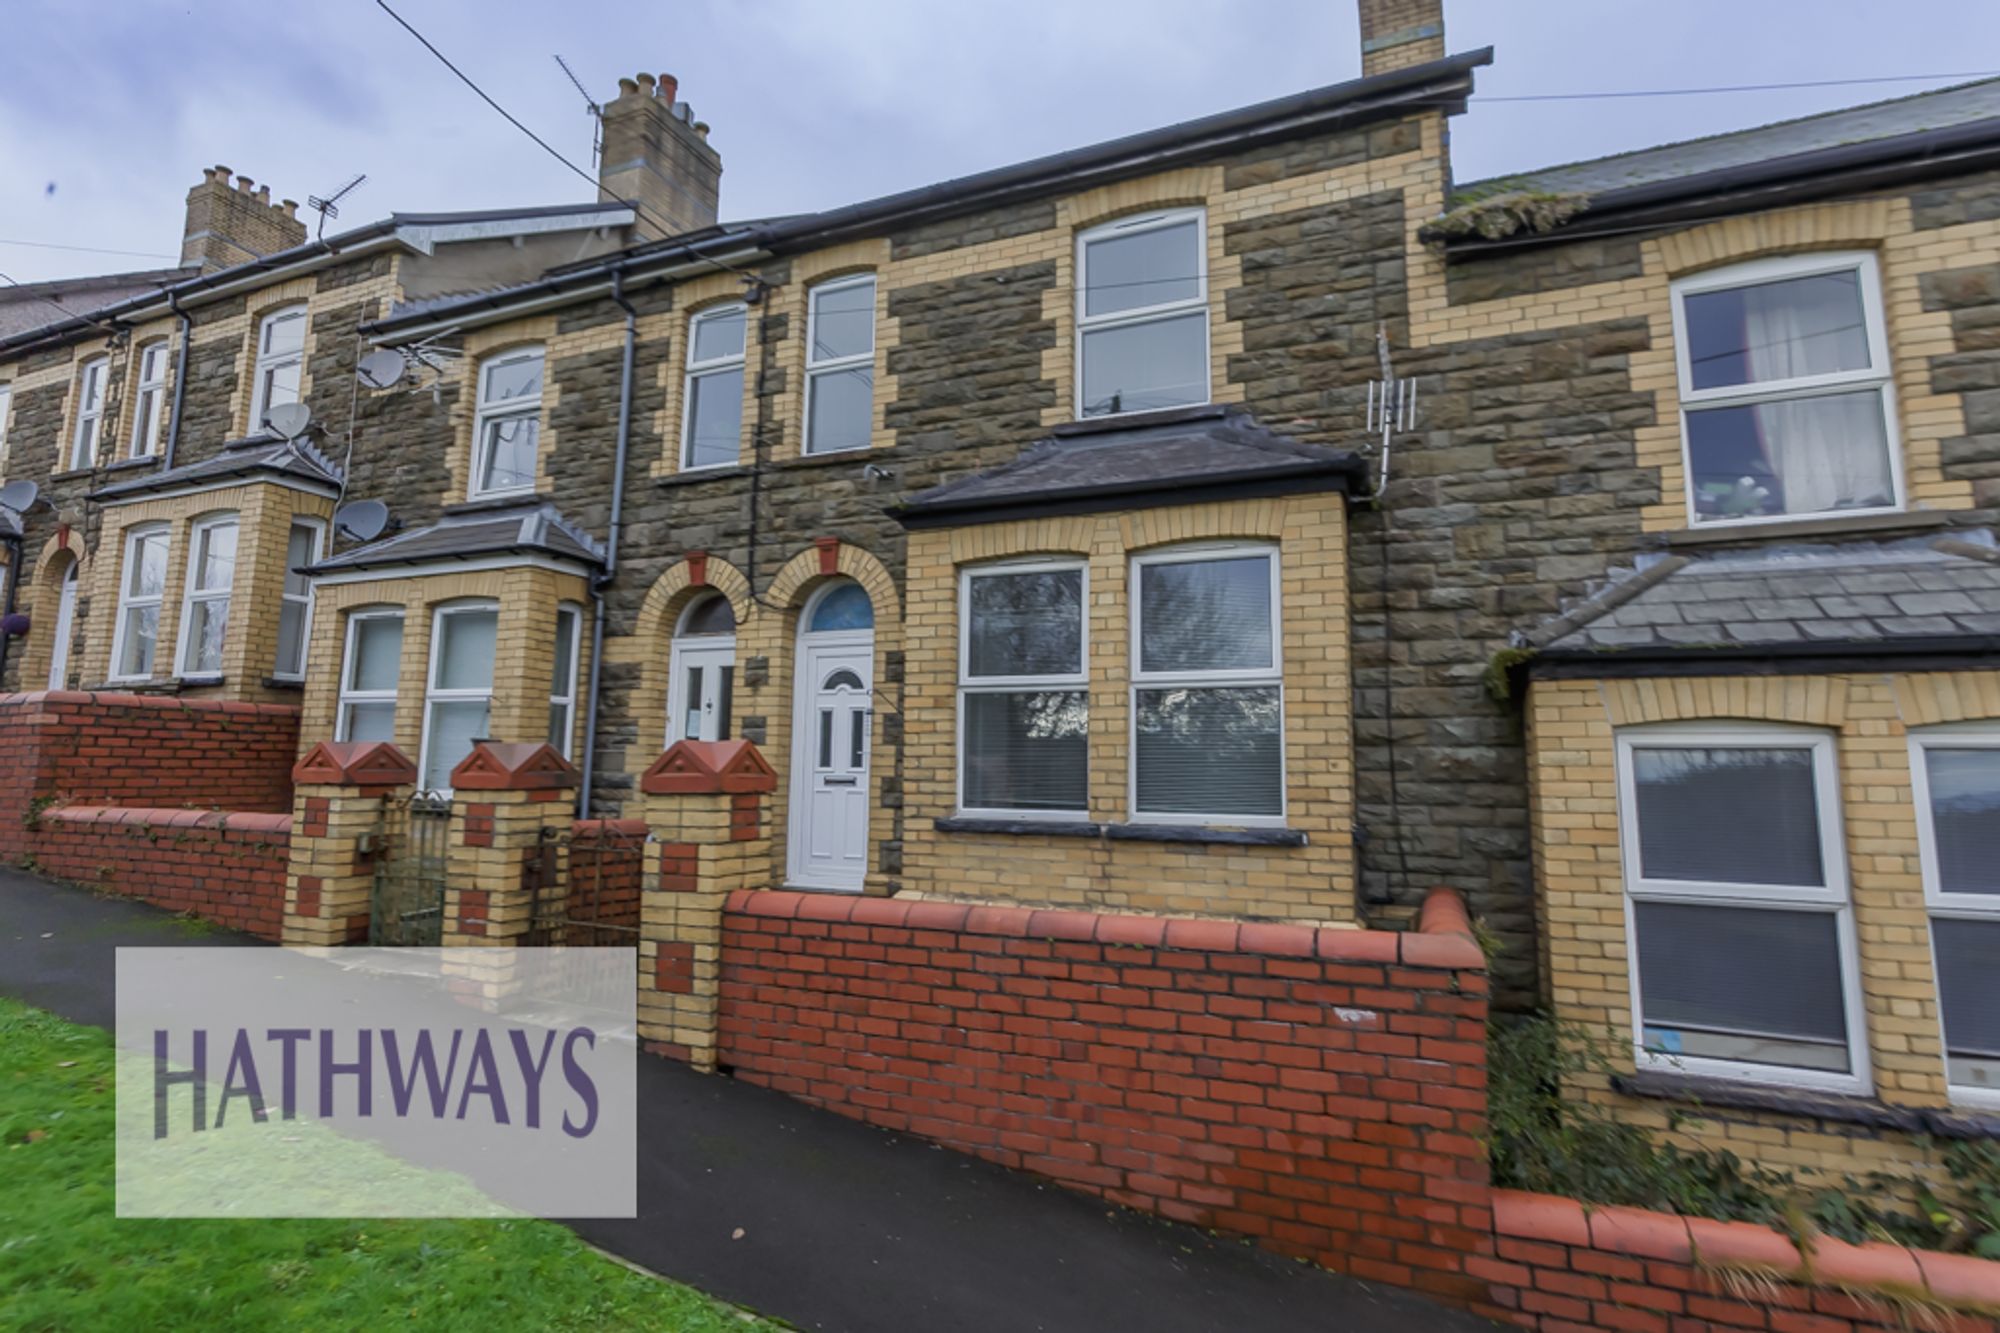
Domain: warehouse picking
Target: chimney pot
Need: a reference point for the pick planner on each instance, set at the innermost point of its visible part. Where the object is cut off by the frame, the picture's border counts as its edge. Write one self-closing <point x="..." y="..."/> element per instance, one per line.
<point x="645" y="82"/>
<point x="244" y="183"/>
<point x="291" y="207"/>
<point x="627" y="87"/>
<point x="669" y="87"/>
<point x="701" y="128"/>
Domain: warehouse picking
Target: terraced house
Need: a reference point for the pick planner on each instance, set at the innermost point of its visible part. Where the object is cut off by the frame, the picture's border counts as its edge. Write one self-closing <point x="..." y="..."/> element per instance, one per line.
<point x="1032" y="527"/>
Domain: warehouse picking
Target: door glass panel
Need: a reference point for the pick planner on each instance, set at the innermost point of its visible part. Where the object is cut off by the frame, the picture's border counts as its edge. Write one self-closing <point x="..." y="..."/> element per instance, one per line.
<point x="692" y="727"/>
<point x="826" y="738"/>
<point x="842" y="679"/>
<point x="860" y="742"/>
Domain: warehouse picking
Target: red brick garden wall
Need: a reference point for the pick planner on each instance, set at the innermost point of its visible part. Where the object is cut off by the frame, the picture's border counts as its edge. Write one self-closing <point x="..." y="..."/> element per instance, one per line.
<point x="1322" y="1091"/>
<point x="228" y="868"/>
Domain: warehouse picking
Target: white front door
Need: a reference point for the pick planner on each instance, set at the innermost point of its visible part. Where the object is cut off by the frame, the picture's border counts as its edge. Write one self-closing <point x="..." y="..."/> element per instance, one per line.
<point x="828" y="835"/>
<point x="698" y="702"/>
<point x="65" y="619"/>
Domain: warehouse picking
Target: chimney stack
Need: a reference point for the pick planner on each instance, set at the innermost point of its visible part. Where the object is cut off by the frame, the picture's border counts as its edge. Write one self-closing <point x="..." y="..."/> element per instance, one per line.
<point x="229" y="224"/>
<point x="1396" y="34"/>
<point x="656" y="154"/>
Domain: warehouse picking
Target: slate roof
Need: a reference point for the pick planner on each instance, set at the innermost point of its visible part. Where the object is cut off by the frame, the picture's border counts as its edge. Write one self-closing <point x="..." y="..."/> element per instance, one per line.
<point x="1926" y="589"/>
<point x="33" y="305"/>
<point x="1152" y="457"/>
<point x="471" y="532"/>
<point x="254" y="456"/>
<point x="1945" y="108"/>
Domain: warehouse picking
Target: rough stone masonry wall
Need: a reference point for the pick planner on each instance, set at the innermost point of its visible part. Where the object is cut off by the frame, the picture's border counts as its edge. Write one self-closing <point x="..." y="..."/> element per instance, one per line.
<point x="1321" y="1091"/>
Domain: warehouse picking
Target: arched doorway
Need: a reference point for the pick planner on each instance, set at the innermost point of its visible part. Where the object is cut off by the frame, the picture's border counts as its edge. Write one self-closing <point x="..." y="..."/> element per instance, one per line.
<point x="701" y="672"/>
<point x="65" y="629"/>
<point x="827" y="836"/>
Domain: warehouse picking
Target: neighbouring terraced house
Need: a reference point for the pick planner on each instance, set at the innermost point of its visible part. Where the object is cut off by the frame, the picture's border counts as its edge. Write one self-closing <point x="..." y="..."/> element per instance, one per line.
<point x="1031" y="525"/>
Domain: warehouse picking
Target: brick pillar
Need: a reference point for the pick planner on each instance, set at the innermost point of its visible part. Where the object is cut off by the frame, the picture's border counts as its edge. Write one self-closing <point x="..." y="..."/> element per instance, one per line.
<point x="706" y="804"/>
<point x="503" y="795"/>
<point x="340" y="791"/>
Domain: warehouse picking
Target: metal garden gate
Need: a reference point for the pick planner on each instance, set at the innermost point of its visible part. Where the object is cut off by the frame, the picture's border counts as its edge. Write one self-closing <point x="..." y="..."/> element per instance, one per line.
<point x="407" y="906"/>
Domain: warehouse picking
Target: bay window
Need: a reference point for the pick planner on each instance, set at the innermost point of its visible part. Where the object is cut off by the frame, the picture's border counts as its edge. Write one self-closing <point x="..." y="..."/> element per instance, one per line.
<point x="840" y="365"/>
<point x="371" y="668"/>
<point x="142" y="587"/>
<point x="1956" y="772"/>
<point x="1786" y="406"/>
<point x="1737" y="908"/>
<point x="89" y="427"/>
<point x="562" y="684"/>
<point x="712" y="403"/>
<point x="280" y="362"/>
<point x="1142" y="314"/>
<point x="205" y="608"/>
<point x="302" y="548"/>
<point x="1023" y="702"/>
<point x="508" y="424"/>
<point x="464" y="637"/>
<point x="1207" y="687"/>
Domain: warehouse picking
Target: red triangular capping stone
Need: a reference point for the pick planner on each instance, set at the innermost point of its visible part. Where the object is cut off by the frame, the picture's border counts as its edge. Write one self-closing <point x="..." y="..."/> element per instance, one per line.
<point x="513" y="766"/>
<point x="354" y="764"/>
<point x="709" y="766"/>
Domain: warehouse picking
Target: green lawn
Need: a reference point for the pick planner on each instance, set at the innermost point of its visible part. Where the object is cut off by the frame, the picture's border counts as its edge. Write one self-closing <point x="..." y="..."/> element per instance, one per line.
<point x="67" y="1263"/>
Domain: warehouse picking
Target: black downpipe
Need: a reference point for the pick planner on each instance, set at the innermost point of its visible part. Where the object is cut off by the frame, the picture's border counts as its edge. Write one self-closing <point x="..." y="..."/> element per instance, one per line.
<point x="603" y="581"/>
<point x="180" y="380"/>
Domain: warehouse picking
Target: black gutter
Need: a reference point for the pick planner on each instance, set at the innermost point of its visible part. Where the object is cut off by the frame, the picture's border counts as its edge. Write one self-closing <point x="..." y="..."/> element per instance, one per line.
<point x="1341" y="475"/>
<point x="1943" y="651"/>
<point x="180" y="380"/>
<point x="616" y="526"/>
<point x="1799" y="178"/>
<point x="1445" y="83"/>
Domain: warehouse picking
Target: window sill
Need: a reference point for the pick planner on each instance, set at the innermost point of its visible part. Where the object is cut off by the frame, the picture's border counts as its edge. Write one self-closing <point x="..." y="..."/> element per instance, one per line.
<point x="1080" y="828"/>
<point x="198" y="682"/>
<point x="856" y="454"/>
<point x="284" y="683"/>
<point x="1833" y="525"/>
<point x="693" y="475"/>
<point x="72" y="474"/>
<point x="1725" y="1094"/>
<point x="133" y="464"/>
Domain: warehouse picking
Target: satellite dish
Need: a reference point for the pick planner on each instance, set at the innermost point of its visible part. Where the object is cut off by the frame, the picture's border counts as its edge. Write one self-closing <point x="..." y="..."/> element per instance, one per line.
<point x="289" y="419"/>
<point x="19" y="496"/>
<point x="363" y="520"/>
<point x="381" y="369"/>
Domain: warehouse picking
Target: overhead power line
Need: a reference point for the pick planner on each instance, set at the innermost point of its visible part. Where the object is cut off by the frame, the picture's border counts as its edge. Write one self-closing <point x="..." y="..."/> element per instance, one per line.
<point x="91" y="249"/>
<point x="1733" y="88"/>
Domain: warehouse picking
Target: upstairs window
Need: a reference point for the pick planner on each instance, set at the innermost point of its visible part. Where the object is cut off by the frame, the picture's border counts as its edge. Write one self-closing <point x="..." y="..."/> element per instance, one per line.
<point x="509" y="423"/>
<point x="205" y="609"/>
<point x="371" y="667"/>
<point x="1142" y="314"/>
<point x="1786" y="408"/>
<point x="1741" y="934"/>
<point x="6" y="403"/>
<point x="142" y="586"/>
<point x="90" y="378"/>
<point x="1957" y="775"/>
<point x="1023" y="700"/>
<point x="302" y="548"/>
<point x="562" y="687"/>
<point x="1207" y="687"/>
<point x="281" y="357"/>
<point x="149" y="400"/>
<point x="712" y="419"/>
<point x="840" y="365"/>
<point x="464" y="638"/>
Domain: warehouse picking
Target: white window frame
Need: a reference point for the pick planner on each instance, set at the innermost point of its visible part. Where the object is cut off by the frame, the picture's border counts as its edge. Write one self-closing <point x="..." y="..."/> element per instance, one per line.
<point x="346" y="695"/>
<point x="816" y="368"/>
<point x="1833" y="897"/>
<point x="1263" y="677"/>
<point x="148" y="389"/>
<point x="489" y="412"/>
<point x="1942" y="905"/>
<point x="1880" y="374"/>
<point x="87" y="433"/>
<point x="127" y="602"/>
<point x="317" y="527"/>
<point x="1068" y="682"/>
<point x="264" y="361"/>
<point x="562" y="693"/>
<point x="433" y="694"/>
<point x="1086" y="323"/>
<point x="191" y="594"/>
<point x="6" y="409"/>
<point x="698" y="370"/>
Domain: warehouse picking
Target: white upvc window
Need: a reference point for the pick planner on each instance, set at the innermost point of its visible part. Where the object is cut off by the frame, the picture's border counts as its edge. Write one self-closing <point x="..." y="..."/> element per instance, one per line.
<point x="508" y="427"/>
<point x="142" y="588"/>
<point x="149" y="400"/>
<point x="459" y="702"/>
<point x="370" y="670"/>
<point x="89" y="428"/>
<point x="562" y="685"/>
<point x="303" y="545"/>
<point x="1786" y="405"/>
<point x="281" y="358"/>
<point x="1738" y="916"/>
<point x="1142" y="314"/>
<point x="1023" y="693"/>
<point x="840" y="365"/>
<point x="211" y="575"/>
<point x="1956" y="772"/>
<point x="6" y="404"/>
<point x="1208" y="696"/>
<point x="712" y="394"/>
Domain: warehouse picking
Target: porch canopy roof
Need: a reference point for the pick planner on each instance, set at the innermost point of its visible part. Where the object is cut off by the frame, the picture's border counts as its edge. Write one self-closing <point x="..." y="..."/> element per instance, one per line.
<point x="526" y="530"/>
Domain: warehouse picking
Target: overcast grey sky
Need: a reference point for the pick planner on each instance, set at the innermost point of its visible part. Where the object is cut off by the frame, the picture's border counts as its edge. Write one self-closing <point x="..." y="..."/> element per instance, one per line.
<point x="104" y="124"/>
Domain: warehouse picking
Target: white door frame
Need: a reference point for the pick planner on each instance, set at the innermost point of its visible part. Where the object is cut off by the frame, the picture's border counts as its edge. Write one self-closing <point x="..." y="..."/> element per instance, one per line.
<point x="65" y="627"/>
<point x="855" y="649"/>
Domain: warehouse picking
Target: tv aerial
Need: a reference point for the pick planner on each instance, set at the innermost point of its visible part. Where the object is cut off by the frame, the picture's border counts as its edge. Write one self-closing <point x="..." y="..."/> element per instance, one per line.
<point x="382" y="368"/>
<point x="289" y="420"/>
<point x="329" y="207"/>
<point x="361" y="520"/>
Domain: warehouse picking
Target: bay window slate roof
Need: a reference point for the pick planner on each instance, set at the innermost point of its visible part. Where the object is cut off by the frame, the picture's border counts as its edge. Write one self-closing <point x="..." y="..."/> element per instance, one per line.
<point x="473" y="532"/>
<point x="248" y="459"/>
<point x="1170" y="457"/>
<point x="1791" y="600"/>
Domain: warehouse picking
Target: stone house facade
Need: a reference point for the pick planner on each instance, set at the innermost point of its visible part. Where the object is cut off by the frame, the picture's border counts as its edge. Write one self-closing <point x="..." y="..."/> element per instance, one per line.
<point x="1032" y="527"/>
